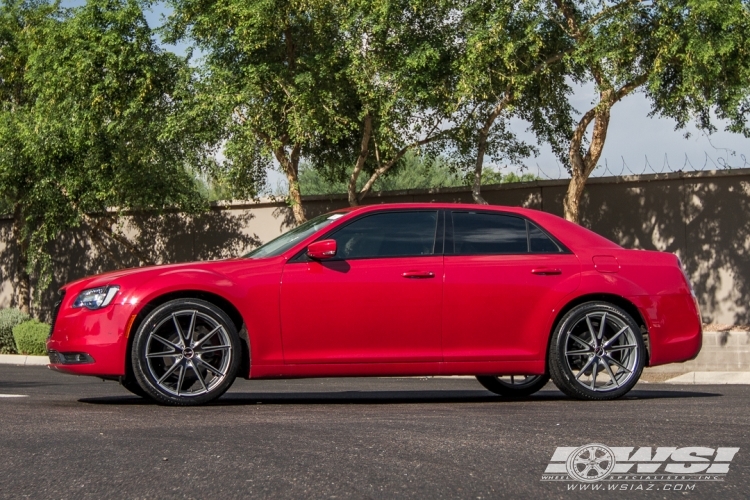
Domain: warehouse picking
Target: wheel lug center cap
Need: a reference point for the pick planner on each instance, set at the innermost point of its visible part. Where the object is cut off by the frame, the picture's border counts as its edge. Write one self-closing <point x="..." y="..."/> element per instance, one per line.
<point x="600" y="351"/>
<point x="188" y="352"/>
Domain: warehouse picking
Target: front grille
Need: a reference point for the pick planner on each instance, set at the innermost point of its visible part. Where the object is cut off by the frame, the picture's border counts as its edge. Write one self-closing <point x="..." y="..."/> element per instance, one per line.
<point x="55" y="312"/>
<point x="54" y="357"/>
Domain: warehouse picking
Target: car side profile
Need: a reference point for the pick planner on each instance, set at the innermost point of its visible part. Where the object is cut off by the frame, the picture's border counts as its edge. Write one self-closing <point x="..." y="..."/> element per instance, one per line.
<point x="510" y="295"/>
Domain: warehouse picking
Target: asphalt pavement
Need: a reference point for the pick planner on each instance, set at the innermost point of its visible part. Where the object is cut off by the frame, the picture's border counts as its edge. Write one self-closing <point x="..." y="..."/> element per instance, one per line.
<point x="67" y="437"/>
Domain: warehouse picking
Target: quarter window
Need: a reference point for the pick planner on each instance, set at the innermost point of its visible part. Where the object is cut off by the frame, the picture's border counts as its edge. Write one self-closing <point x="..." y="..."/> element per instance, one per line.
<point x="388" y="234"/>
<point x="539" y="242"/>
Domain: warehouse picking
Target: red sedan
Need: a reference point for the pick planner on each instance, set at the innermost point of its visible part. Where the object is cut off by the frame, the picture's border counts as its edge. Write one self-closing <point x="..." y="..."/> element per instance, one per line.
<point x="510" y="295"/>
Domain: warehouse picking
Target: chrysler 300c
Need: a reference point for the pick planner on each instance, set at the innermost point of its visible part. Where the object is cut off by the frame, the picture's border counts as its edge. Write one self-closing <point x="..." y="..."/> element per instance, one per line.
<point x="512" y="296"/>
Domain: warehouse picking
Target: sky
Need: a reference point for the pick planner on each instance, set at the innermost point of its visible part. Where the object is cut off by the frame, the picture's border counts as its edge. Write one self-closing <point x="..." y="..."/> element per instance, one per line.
<point x="632" y="137"/>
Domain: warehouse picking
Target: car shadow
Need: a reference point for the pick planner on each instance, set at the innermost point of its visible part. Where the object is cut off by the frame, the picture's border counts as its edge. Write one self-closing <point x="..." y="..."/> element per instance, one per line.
<point x="395" y="397"/>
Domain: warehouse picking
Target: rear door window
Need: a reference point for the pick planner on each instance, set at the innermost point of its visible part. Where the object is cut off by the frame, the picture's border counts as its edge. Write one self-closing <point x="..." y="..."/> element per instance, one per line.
<point x="478" y="233"/>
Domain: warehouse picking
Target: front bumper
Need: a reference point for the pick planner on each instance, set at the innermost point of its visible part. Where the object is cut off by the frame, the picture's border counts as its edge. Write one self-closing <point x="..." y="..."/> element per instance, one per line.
<point x="101" y="335"/>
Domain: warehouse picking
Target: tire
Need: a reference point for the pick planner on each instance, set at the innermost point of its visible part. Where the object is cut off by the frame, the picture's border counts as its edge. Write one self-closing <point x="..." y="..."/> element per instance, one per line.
<point x="132" y="386"/>
<point x="186" y="352"/>
<point x="596" y="352"/>
<point x="517" y="386"/>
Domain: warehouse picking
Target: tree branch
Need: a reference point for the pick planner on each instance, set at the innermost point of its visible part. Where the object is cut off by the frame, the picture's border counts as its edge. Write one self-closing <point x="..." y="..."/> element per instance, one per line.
<point x="382" y="170"/>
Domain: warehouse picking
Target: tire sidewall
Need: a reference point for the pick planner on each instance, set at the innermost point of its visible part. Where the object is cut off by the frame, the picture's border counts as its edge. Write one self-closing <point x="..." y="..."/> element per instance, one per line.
<point x="138" y="353"/>
<point x="564" y="377"/>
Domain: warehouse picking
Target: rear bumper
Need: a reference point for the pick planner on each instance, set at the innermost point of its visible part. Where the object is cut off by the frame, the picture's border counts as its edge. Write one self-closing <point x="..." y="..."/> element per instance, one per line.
<point x="674" y="327"/>
<point x="99" y="334"/>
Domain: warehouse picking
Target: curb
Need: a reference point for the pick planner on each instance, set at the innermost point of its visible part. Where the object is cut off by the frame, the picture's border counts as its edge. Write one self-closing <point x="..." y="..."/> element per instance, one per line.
<point x="715" y="378"/>
<point x="22" y="360"/>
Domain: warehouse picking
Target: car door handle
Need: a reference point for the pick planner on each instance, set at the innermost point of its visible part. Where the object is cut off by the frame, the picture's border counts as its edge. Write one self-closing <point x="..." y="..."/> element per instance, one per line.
<point x="546" y="271"/>
<point x="418" y="274"/>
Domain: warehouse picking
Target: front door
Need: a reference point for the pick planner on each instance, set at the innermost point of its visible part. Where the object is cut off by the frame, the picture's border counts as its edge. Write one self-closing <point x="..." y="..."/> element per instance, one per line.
<point x="378" y="301"/>
<point x="503" y="278"/>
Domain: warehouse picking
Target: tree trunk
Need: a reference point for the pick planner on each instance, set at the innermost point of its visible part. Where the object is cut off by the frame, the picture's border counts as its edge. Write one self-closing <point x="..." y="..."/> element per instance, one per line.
<point x="572" y="200"/>
<point x="476" y="188"/>
<point x="582" y="166"/>
<point x="295" y="197"/>
<point x="363" y="151"/>
<point x="484" y="133"/>
<point x="290" y="164"/>
<point x="23" y="280"/>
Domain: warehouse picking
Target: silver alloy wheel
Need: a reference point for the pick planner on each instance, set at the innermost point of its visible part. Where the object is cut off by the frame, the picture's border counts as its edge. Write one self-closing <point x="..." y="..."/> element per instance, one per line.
<point x="188" y="353"/>
<point x="601" y="351"/>
<point x="518" y="381"/>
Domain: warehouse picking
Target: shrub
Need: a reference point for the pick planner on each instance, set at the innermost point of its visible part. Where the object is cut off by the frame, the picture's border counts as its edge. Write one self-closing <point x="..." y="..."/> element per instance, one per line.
<point x="9" y="318"/>
<point x="31" y="337"/>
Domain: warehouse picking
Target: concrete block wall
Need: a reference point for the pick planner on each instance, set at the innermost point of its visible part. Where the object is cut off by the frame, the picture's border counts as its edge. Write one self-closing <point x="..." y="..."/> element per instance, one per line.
<point x="721" y="351"/>
<point x="701" y="216"/>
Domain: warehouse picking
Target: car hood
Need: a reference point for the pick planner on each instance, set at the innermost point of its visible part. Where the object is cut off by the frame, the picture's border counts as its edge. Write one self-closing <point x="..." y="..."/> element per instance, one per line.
<point x="148" y="272"/>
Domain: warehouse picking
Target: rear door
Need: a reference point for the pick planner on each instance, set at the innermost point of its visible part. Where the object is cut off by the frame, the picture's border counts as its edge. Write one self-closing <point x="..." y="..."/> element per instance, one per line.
<point x="378" y="301"/>
<point x="504" y="276"/>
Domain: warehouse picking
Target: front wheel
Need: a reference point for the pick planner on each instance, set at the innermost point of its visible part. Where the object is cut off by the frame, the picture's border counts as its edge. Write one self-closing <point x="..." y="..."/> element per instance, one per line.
<point x="597" y="352"/>
<point x="132" y="386"/>
<point x="186" y="352"/>
<point x="514" y="385"/>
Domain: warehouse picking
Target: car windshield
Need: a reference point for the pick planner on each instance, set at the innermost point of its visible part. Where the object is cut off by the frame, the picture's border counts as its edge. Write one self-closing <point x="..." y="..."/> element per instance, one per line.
<point x="287" y="240"/>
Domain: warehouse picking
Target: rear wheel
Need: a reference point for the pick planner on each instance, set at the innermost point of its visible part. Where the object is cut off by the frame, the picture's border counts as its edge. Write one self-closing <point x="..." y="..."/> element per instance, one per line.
<point x="597" y="352"/>
<point x="186" y="352"/>
<point x="514" y="385"/>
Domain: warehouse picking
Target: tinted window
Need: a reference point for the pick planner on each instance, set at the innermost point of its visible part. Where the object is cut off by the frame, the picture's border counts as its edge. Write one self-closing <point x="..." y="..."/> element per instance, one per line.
<point x="389" y="234"/>
<point x="482" y="233"/>
<point x="540" y="242"/>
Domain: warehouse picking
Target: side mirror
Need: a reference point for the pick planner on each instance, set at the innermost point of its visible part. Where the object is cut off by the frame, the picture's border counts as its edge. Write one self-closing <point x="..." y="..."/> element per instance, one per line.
<point x="323" y="249"/>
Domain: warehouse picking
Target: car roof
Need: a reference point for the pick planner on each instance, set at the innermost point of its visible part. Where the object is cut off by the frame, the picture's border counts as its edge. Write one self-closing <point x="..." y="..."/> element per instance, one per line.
<point x="570" y="234"/>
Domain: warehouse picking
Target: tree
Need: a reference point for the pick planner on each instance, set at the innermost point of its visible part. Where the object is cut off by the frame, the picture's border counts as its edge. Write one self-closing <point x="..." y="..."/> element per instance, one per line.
<point x="689" y="56"/>
<point x="510" y="65"/>
<point x="273" y="72"/>
<point x="85" y="125"/>
<point x="400" y="57"/>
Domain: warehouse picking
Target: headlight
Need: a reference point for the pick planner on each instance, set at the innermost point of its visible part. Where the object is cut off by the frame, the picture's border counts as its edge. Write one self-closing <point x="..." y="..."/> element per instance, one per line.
<point x="96" y="298"/>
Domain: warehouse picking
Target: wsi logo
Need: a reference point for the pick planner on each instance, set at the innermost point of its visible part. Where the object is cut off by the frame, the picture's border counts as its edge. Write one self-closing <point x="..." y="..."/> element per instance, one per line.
<point x="597" y="462"/>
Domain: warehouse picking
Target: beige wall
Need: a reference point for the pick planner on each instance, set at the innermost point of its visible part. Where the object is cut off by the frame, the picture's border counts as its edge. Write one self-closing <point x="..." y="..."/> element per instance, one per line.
<point x="703" y="217"/>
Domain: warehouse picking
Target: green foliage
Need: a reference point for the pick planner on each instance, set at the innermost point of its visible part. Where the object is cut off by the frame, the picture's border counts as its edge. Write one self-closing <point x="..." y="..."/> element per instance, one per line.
<point x="703" y="67"/>
<point x="9" y="319"/>
<point x="270" y="85"/>
<point x="86" y="121"/>
<point x="691" y="57"/>
<point x="299" y="79"/>
<point x="418" y="172"/>
<point x="511" y="64"/>
<point x="31" y="338"/>
<point x="401" y="57"/>
<point x="492" y="176"/>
